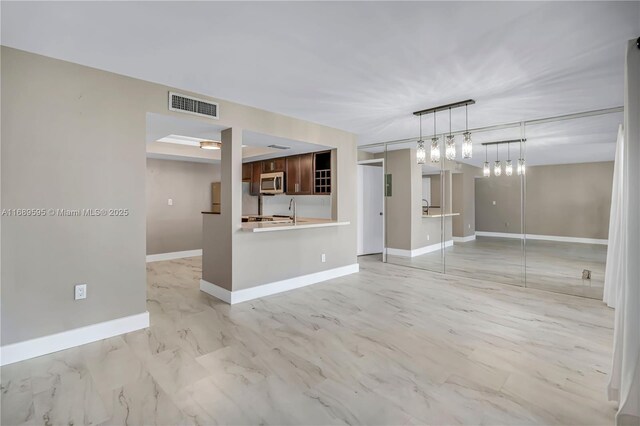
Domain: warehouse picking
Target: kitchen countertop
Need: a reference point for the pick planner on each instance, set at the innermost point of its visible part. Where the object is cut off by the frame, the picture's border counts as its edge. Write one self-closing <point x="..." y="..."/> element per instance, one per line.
<point x="303" y="223"/>
<point x="440" y="215"/>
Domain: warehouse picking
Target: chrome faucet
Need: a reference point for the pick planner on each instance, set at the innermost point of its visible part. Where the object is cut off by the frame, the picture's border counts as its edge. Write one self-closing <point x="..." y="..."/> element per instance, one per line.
<point x="425" y="209"/>
<point x="295" y="215"/>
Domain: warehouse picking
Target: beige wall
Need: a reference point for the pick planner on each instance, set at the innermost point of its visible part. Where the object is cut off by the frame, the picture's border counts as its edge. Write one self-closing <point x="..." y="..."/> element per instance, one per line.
<point x="399" y="205"/>
<point x="188" y="184"/>
<point x="570" y="200"/>
<point x="364" y="155"/>
<point x="463" y="200"/>
<point x="74" y="137"/>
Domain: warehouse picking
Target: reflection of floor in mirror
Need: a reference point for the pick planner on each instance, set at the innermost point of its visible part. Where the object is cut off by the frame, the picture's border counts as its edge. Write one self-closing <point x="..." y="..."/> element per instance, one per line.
<point x="551" y="265"/>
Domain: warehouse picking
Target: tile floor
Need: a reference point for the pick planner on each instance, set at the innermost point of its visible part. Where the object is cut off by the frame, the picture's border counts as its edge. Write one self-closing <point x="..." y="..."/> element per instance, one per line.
<point x="389" y="346"/>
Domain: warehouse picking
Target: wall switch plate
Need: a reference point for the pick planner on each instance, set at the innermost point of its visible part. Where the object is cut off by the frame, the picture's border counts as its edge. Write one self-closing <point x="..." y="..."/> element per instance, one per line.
<point x="428" y="237"/>
<point x="170" y="201"/>
<point x="324" y="258"/>
<point x="469" y="226"/>
<point x="493" y="202"/>
<point x="80" y="291"/>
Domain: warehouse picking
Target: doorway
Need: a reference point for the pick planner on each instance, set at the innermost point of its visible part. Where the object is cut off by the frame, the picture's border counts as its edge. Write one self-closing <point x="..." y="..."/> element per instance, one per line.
<point x="370" y="207"/>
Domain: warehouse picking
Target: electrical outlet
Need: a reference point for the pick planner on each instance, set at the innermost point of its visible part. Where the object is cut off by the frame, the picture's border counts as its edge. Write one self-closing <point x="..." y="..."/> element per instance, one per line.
<point x="493" y="202"/>
<point x="170" y="201"/>
<point x="80" y="291"/>
<point x="428" y="237"/>
<point x="324" y="258"/>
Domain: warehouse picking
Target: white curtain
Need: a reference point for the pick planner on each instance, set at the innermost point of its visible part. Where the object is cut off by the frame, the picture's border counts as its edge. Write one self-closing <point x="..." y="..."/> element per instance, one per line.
<point x="624" y="384"/>
<point x="614" y="266"/>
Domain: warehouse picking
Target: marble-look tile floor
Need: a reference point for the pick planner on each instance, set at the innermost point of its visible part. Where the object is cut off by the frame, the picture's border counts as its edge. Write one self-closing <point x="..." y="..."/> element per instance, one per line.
<point x="550" y="265"/>
<point x="388" y="346"/>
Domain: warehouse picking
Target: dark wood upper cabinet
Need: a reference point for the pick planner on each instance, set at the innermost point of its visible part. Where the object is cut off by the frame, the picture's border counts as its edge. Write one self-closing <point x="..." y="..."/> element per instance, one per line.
<point x="305" y="174"/>
<point x="274" y="165"/>
<point x="322" y="173"/>
<point x="246" y="172"/>
<point x="299" y="174"/>
<point x="256" y="169"/>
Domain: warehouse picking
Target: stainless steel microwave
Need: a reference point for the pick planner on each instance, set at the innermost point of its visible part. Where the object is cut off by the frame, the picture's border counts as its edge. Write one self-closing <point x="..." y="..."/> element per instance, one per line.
<point x="272" y="183"/>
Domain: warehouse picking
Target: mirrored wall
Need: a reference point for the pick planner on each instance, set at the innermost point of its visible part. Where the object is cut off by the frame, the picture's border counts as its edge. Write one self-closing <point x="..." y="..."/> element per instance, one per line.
<point x="542" y="224"/>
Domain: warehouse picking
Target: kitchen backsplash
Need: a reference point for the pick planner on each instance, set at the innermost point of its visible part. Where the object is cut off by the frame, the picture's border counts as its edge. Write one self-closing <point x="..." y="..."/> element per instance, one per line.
<point x="316" y="206"/>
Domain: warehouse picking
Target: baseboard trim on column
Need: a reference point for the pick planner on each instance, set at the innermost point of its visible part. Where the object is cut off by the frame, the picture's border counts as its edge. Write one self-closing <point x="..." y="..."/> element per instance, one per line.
<point x="543" y="237"/>
<point x="173" y="255"/>
<point x="238" y="296"/>
<point x="464" y="239"/>
<point x="419" y="251"/>
<point x="68" y="339"/>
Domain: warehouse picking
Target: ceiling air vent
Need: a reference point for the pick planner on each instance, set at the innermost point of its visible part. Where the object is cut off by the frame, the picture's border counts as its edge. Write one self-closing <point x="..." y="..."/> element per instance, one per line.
<point x="279" y="146"/>
<point x="191" y="105"/>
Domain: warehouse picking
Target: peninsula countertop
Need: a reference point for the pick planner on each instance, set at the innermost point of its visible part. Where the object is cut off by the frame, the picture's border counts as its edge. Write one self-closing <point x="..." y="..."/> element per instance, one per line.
<point x="302" y="223"/>
<point x="441" y="215"/>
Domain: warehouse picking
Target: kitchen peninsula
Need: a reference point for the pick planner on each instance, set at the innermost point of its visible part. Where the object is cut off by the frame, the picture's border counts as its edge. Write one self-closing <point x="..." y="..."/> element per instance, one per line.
<point x="269" y="254"/>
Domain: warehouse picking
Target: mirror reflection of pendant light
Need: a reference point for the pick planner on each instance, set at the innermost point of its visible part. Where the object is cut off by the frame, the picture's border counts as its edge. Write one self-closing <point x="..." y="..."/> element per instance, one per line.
<point x="421" y="153"/>
<point x="497" y="165"/>
<point x="486" y="170"/>
<point x="450" y="151"/>
<point x="521" y="165"/>
<point x="435" y="143"/>
<point x="467" y="146"/>
<point x="508" y="167"/>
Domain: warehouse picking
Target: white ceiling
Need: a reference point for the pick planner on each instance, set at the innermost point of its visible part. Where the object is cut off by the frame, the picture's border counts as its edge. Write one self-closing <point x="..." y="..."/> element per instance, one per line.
<point x="255" y="145"/>
<point x="358" y="66"/>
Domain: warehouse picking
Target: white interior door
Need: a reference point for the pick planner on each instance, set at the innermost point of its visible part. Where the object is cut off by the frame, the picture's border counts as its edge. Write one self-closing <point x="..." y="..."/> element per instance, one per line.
<point x="371" y="200"/>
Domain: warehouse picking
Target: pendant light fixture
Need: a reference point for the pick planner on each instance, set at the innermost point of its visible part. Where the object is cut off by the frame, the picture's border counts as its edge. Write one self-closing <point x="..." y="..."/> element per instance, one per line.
<point x="486" y="170"/>
<point x="467" y="146"/>
<point x="435" y="143"/>
<point x="508" y="167"/>
<point x="497" y="166"/>
<point x="521" y="165"/>
<point x="421" y="153"/>
<point x="449" y="140"/>
<point x="450" y="151"/>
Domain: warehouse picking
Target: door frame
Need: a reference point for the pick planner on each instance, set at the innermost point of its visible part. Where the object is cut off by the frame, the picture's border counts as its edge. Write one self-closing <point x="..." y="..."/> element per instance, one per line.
<point x="384" y="201"/>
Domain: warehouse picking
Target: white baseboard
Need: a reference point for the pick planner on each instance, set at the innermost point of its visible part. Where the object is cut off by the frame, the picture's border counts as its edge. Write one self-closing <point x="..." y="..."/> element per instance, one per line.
<point x="419" y="251"/>
<point x="174" y="255"/>
<point x="464" y="239"/>
<point x="68" y="339"/>
<point x="233" y="297"/>
<point x="543" y="237"/>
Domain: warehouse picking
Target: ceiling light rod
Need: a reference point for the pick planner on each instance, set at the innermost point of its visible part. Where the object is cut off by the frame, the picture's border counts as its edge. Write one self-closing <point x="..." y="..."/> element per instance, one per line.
<point x="445" y="107"/>
<point x="503" y="142"/>
<point x="583" y="114"/>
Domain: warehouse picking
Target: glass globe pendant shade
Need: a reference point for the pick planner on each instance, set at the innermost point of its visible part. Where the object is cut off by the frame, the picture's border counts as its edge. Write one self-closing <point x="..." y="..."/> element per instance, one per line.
<point x="435" y="150"/>
<point x="450" y="151"/>
<point x="486" y="170"/>
<point x="497" y="168"/>
<point x="421" y="152"/>
<point x="467" y="147"/>
<point x="508" y="168"/>
<point x="521" y="167"/>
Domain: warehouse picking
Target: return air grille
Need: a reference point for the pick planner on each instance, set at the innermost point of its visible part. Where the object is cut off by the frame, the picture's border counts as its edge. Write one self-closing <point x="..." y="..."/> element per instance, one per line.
<point x="191" y="105"/>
